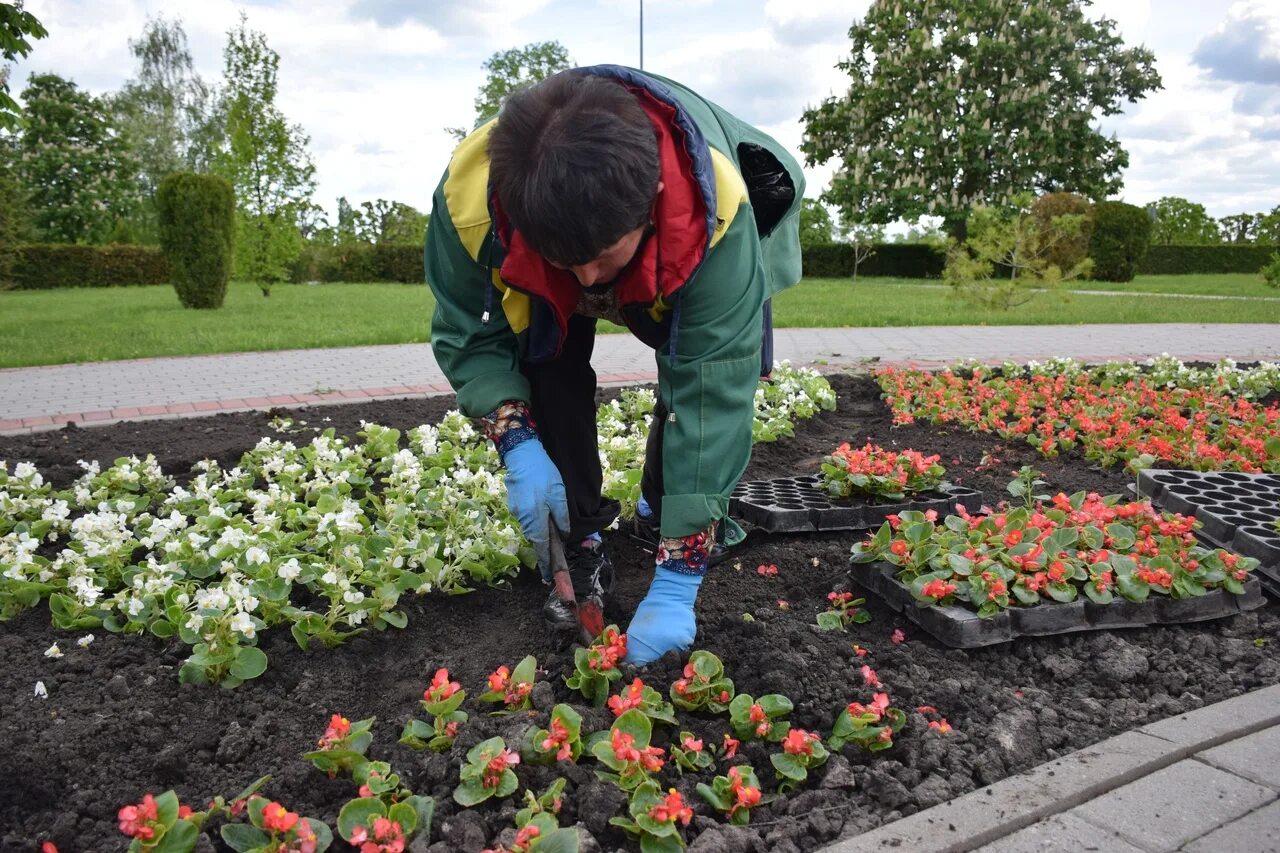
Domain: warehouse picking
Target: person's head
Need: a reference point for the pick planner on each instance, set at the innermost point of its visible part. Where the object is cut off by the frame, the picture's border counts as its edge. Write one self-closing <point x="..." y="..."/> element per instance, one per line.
<point x="574" y="163"/>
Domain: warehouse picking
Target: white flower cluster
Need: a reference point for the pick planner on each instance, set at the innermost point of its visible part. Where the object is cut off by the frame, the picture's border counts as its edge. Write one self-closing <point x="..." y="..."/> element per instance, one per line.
<point x="791" y="394"/>
<point x="1163" y="370"/>
<point x="214" y="561"/>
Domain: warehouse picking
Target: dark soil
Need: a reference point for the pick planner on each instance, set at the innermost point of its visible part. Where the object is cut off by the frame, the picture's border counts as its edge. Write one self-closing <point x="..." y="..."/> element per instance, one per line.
<point x="117" y="723"/>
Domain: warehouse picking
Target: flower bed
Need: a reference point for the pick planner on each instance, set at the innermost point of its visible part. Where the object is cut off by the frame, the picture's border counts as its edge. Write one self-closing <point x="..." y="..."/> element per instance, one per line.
<point x="117" y="724"/>
<point x="1169" y="415"/>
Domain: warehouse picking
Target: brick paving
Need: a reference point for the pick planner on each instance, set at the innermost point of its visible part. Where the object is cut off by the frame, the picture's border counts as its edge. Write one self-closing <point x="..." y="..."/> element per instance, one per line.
<point x="103" y="392"/>
<point x="1207" y="781"/>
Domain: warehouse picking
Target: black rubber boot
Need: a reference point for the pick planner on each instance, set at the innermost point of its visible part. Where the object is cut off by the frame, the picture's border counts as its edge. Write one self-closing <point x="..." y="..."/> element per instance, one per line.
<point x="591" y="573"/>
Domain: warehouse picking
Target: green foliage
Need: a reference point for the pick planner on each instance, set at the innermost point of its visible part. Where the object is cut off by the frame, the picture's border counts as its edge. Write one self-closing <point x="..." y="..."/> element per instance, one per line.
<point x="265" y="159"/>
<point x="47" y="266"/>
<point x="1121" y="236"/>
<point x="1271" y="273"/>
<point x="513" y="69"/>
<point x="166" y="112"/>
<point x="1177" y="220"/>
<point x="959" y="103"/>
<point x="897" y="260"/>
<point x="1065" y="247"/>
<point x="1221" y="258"/>
<point x="1237" y="228"/>
<point x="1003" y="263"/>
<point x="816" y="226"/>
<point x="16" y="27"/>
<point x="704" y="686"/>
<point x="196" y="218"/>
<point x="70" y="132"/>
<point x="14" y="220"/>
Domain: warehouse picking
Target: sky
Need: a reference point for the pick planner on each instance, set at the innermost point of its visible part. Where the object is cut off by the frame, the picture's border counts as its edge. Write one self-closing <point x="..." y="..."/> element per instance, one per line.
<point x="375" y="82"/>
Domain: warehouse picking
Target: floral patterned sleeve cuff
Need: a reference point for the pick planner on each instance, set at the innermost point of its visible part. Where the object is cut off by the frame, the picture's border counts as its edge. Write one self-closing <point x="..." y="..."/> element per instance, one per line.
<point x="508" y="425"/>
<point x="687" y="555"/>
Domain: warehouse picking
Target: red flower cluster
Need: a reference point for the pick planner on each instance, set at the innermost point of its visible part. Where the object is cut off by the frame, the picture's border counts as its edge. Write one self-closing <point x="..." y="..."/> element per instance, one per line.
<point x="498" y="765"/>
<point x="672" y="809"/>
<point x="799" y="742"/>
<point x="276" y="818"/>
<point x="692" y="680"/>
<point x="441" y="687"/>
<point x="875" y="461"/>
<point x="387" y="837"/>
<point x="731" y="745"/>
<point x="558" y="739"/>
<point x="744" y="796"/>
<point x="609" y="652"/>
<point x="879" y="704"/>
<point x="139" y="821"/>
<point x="339" y="728"/>
<point x="513" y="693"/>
<point x="1203" y="429"/>
<point x="767" y="571"/>
<point x="869" y="676"/>
<point x="629" y="698"/>
<point x="757" y="715"/>
<point x="938" y="589"/>
<point x="624" y="749"/>
<point x="691" y="744"/>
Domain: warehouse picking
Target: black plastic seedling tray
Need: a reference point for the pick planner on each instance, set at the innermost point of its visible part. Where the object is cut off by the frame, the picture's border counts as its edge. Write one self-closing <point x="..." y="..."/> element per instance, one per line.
<point x="1236" y="511"/>
<point x="960" y="627"/>
<point x="798" y="505"/>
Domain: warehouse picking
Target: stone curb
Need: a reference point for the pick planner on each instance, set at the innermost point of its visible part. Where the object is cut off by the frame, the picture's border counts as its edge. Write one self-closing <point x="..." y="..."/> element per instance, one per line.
<point x="987" y="814"/>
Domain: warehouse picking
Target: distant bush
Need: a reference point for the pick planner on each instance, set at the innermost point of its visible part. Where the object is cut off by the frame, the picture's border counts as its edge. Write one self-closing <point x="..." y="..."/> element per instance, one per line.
<point x="899" y="260"/>
<point x="1271" y="272"/>
<point x="361" y="262"/>
<point x="1216" y="258"/>
<point x="43" y="266"/>
<point x="196" y="215"/>
<point x="1062" y="247"/>
<point x="1121" y="237"/>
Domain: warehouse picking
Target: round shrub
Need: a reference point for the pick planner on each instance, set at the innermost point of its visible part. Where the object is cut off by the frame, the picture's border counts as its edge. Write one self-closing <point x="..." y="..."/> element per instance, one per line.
<point x="197" y="227"/>
<point x="1121" y="235"/>
<point x="1062" y="247"/>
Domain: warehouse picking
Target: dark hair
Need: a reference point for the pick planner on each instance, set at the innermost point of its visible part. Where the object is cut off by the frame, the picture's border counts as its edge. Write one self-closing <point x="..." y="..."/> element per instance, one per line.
<point x="574" y="162"/>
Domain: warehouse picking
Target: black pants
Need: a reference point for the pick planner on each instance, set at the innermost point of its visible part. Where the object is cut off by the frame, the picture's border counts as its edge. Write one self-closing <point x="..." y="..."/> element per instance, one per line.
<point x="564" y="408"/>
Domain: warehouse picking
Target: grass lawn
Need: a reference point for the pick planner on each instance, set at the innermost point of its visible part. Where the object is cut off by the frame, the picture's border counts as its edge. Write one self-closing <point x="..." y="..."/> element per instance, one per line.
<point x="103" y="324"/>
<point x="1224" y="284"/>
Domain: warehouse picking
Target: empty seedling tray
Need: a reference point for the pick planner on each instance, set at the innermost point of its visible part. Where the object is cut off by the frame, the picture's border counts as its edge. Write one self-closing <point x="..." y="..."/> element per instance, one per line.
<point x="960" y="627"/>
<point x="798" y="505"/>
<point x="1237" y="511"/>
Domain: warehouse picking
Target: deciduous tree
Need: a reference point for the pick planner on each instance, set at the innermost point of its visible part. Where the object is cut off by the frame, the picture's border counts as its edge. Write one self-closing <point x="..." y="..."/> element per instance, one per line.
<point x="17" y="28"/>
<point x="957" y="103"/>
<point x="1177" y="220"/>
<point x="265" y="159"/>
<point x="510" y="69"/>
<point x="77" y="172"/>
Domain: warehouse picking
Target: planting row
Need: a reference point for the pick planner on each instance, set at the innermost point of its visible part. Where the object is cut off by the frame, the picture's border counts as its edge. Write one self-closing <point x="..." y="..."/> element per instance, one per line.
<point x="1114" y="414"/>
<point x="384" y="815"/>
<point x="1048" y="553"/>
<point x="323" y="538"/>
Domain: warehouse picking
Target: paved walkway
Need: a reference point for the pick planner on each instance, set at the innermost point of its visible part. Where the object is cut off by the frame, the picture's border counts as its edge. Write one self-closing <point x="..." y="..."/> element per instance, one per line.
<point x="1203" y="782"/>
<point x="48" y="397"/>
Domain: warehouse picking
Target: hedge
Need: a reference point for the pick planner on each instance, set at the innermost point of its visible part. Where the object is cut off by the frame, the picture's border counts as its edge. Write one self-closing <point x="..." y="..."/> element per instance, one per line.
<point x="360" y="262"/>
<point x="41" y="266"/>
<point x="1216" y="258"/>
<point x="898" y="260"/>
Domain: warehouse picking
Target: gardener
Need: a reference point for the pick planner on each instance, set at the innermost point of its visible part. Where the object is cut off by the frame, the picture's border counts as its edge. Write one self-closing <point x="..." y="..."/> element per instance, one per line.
<point x="606" y="192"/>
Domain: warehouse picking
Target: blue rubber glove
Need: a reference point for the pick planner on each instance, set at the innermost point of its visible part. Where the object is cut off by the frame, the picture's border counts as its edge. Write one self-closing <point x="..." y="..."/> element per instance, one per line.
<point x="535" y="493"/>
<point x="664" y="620"/>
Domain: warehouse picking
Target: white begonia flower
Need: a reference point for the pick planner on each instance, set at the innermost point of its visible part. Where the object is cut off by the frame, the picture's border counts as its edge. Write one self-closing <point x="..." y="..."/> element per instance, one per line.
<point x="289" y="570"/>
<point x="194" y="622"/>
<point x="135" y="606"/>
<point x="256" y="556"/>
<point x="330" y="577"/>
<point x="41" y="691"/>
<point x="353" y="596"/>
<point x="84" y="641"/>
<point x="356" y="617"/>
<point x="53" y="651"/>
<point x="243" y="623"/>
